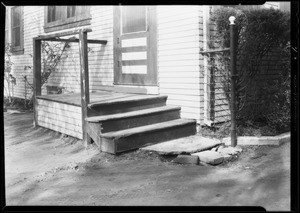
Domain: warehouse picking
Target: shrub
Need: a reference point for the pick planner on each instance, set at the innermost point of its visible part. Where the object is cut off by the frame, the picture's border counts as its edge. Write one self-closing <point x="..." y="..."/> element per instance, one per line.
<point x="263" y="50"/>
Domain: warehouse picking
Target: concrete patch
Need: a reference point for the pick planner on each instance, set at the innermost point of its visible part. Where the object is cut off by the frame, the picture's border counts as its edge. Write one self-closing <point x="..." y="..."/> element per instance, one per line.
<point x="186" y="159"/>
<point x="284" y="138"/>
<point x="191" y="144"/>
<point x="209" y="157"/>
<point x="262" y="140"/>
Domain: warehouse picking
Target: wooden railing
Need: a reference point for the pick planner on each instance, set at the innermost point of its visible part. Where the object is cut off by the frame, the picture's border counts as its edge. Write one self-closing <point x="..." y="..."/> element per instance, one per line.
<point x="84" y="70"/>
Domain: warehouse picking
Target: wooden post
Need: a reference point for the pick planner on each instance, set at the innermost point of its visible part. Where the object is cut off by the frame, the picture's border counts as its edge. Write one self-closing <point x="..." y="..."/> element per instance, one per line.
<point x="233" y="44"/>
<point x="84" y="83"/>
<point x="37" y="90"/>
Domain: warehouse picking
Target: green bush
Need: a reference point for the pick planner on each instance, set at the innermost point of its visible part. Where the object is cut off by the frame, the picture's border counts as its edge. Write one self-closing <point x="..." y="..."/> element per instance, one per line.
<point x="261" y="33"/>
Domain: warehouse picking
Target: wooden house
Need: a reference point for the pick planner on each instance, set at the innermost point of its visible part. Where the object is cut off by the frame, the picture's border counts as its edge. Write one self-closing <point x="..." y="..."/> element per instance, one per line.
<point x="139" y="71"/>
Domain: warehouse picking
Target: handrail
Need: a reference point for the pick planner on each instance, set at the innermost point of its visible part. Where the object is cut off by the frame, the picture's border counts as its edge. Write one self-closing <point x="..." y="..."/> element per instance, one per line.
<point x="215" y="51"/>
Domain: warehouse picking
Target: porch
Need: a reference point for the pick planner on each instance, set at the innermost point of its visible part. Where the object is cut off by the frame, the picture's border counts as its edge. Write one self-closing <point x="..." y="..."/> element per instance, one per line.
<point x="115" y="121"/>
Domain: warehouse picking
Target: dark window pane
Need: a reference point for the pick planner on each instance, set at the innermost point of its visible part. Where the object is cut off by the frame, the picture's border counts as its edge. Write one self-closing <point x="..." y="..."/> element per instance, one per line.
<point x="55" y="13"/>
<point x="81" y="10"/>
<point x="6" y="21"/>
<point x="16" y="37"/>
<point x="71" y="11"/>
<point x="133" y="19"/>
<point x="51" y="14"/>
<point x="16" y="16"/>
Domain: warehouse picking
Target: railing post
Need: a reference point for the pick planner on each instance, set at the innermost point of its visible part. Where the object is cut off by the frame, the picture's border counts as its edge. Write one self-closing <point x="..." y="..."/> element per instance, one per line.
<point x="84" y="83"/>
<point x="233" y="44"/>
<point x="37" y="90"/>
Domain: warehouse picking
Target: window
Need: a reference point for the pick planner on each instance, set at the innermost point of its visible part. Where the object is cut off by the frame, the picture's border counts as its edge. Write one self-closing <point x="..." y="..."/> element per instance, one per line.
<point x="133" y="19"/>
<point x="6" y="27"/>
<point x="63" y="17"/>
<point x="17" y="30"/>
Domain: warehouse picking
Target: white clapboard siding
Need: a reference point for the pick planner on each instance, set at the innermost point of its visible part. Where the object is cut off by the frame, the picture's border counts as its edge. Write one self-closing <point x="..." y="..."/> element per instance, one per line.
<point x="62" y="130"/>
<point x="194" y="57"/>
<point x="180" y="34"/>
<point x="186" y="51"/>
<point x="184" y="103"/>
<point x="183" y="80"/>
<point x="179" y="75"/>
<point x="60" y="120"/>
<point x="178" y="46"/>
<point x="60" y="117"/>
<point x="58" y="105"/>
<point x="179" y="60"/>
<point x="183" y="29"/>
<point x="167" y="91"/>
<point x="179" y="85"/>
<point x="186" y="63"/>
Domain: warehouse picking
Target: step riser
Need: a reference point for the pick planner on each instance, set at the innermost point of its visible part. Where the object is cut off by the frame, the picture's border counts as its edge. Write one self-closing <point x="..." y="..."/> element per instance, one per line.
<point x="136" y="141"/>
<point x="126" y="107"/>
<point x="142" y="120"/>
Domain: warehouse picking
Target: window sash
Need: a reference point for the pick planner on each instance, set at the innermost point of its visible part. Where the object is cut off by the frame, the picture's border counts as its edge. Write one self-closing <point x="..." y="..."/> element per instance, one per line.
<point x="7" y="27"/>
<point x="81" y="13"/>
<point x="17" y="29"/>
<point x="129" y="24"/>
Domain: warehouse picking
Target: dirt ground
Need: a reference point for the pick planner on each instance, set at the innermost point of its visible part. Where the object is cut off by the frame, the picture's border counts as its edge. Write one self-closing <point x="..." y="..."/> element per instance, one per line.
<point x="43" y="167"/>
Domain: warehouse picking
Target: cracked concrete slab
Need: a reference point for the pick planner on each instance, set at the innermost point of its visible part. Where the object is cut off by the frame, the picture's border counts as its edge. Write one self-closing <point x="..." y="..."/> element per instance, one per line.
<point x="191" y="144"/>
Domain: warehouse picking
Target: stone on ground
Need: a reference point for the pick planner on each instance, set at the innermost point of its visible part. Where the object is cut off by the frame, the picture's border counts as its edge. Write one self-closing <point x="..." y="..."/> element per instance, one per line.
<point x="210" y="157"/>
<point x="191" y="144"/>
<point x="228" y="151"/>
<point x="186" y="159"/>
<point x="226" y="157"/>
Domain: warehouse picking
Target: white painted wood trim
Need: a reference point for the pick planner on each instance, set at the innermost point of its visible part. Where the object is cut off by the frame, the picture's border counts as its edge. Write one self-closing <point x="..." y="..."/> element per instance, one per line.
<point x="206" y="35"/>
<point x="134" y="56"/>
<point x="134" y="42"/>
<point x="137" y="69"/>
<point x="151" y="90"/>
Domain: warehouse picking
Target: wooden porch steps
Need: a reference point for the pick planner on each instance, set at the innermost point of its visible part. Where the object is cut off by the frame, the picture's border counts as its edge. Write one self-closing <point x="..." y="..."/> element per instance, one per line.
<point x="126" y="104"/>
<point x="130" y="123"/>
<point x="127" y="120"/>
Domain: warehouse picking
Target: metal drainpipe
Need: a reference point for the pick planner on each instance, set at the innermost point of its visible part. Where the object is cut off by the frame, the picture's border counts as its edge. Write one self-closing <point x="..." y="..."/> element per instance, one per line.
<point x="233" y="44"/>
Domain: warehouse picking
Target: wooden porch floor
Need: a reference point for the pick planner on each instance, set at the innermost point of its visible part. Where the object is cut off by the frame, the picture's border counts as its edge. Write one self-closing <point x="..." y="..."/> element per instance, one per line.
<point x="95" y="97"/>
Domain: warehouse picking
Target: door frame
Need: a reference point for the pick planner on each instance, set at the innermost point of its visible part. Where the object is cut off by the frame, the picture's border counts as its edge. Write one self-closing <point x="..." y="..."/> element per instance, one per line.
<point x="151" y="36"/>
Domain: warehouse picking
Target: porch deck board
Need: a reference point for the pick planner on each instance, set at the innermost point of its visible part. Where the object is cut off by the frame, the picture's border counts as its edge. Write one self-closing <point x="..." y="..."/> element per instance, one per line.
<point x="95" y="97"/>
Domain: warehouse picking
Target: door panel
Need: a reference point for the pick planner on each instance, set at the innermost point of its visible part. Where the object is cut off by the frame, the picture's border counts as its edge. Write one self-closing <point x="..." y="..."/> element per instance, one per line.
<point x="134" y="57"/>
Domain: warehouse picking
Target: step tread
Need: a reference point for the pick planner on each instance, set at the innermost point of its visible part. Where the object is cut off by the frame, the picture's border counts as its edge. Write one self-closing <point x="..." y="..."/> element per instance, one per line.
<point x="123" y="100"/>
<point x="148" y="128"/>
<point x="132" y="114"/>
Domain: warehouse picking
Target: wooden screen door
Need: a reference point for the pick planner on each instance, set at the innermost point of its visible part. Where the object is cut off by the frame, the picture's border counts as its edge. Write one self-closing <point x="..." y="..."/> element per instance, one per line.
<point x="135" y="45"/>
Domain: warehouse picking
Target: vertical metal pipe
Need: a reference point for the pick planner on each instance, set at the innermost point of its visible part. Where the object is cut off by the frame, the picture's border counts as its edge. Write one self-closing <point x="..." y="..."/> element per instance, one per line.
<point x="233" y="44"/>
